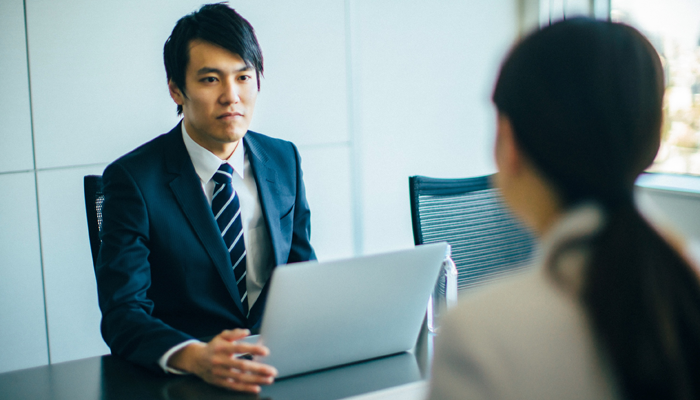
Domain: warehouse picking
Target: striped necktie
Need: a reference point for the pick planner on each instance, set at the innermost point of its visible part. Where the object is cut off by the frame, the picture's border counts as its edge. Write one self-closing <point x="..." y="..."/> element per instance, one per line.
<point x="227" y="212"/>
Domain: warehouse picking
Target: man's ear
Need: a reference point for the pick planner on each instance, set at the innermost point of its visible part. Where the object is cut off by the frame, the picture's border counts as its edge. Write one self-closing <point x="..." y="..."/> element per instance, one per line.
<point x="175" y="93"/>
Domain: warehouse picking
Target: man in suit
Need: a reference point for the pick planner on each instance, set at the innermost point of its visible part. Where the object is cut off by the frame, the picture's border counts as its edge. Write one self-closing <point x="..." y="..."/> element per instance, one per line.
<point x="195" y="220"/>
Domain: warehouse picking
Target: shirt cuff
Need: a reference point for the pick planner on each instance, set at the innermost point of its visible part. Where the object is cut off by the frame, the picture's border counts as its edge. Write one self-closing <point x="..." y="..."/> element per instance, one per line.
<point x="163" y="361"/>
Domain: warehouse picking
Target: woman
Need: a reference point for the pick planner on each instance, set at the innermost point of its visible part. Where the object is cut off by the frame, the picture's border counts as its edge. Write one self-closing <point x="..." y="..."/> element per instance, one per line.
<point x="613" y="311"/>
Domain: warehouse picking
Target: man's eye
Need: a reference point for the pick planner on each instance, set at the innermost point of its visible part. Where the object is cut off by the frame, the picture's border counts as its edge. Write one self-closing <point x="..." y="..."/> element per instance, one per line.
<point x="209" y="79"/>
<point x="244" y="77"/>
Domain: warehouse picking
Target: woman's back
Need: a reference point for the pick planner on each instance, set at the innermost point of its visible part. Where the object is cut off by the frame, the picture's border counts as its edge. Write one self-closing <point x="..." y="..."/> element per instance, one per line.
<point x="526" y="338"/>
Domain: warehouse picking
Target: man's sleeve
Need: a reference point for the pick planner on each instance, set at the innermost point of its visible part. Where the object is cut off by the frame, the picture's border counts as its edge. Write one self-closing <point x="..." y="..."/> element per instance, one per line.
<point x="301" y="249"/>
<point x="123" y="275"/>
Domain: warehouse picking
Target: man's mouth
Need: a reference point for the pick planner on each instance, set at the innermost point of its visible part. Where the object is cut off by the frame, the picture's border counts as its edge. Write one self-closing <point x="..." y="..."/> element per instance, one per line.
<point x="230" y="115"/>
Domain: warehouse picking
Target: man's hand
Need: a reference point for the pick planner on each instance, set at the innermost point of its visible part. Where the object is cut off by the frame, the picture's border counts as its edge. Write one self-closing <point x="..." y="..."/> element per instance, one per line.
<point x="215" y="362"/>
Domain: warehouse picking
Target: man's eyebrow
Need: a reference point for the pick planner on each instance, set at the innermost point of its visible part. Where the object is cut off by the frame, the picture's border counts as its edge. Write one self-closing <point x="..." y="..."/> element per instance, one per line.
<point x="209" y="70"/>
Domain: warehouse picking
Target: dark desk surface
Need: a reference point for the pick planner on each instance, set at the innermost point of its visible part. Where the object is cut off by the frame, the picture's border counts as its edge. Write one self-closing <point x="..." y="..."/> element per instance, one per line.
<point x="112" y="378"/>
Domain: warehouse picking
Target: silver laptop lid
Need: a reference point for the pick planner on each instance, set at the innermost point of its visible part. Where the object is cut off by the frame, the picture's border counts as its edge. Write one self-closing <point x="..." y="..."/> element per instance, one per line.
<point x="320" y="315"/>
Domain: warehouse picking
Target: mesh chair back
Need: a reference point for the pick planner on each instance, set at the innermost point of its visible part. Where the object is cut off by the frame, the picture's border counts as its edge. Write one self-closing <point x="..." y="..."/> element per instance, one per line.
<point x="93" y="207"/>
<point x="487" y="241"/>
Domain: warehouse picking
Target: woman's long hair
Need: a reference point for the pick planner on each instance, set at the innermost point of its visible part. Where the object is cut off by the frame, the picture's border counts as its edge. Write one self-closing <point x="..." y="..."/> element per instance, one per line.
<point x="585" y="98"/>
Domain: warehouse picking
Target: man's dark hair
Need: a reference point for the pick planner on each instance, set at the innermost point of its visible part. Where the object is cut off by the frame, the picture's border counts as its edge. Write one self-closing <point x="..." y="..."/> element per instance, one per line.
<point x="217" y="24"/>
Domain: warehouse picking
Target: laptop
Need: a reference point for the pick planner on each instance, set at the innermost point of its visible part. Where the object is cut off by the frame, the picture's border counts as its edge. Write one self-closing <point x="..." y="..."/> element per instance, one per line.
<point x="321" y="315"/>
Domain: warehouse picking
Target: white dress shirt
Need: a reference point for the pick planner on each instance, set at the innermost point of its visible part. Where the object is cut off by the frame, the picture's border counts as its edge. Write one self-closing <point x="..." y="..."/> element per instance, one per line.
<point x="257" y="239"/>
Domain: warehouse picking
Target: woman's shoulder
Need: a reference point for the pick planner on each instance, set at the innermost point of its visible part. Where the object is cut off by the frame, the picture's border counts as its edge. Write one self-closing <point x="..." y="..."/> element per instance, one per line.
<point x="519" y="300"/>
<point x="527" y="338"/>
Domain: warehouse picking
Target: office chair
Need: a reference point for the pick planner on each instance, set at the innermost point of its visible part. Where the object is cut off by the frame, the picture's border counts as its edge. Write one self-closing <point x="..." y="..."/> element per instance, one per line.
<point x="487" y="241"/>
<point x="93" y="207"/>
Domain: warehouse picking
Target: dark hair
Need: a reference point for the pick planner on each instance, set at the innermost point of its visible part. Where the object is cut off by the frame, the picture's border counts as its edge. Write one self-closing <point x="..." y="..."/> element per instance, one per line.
<point x="584" y="98"/>
<point x="217" y="24"/>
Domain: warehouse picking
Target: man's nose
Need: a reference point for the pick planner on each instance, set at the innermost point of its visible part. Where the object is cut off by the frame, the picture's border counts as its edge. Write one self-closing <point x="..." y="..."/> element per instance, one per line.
<point x="230" y="92"/>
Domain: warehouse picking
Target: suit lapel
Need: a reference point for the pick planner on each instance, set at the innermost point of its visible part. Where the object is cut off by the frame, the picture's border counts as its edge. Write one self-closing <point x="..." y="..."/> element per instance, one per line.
<point x="266" y="181"/>
<point x="186" y="187"/>
<point x="268" y="191"/>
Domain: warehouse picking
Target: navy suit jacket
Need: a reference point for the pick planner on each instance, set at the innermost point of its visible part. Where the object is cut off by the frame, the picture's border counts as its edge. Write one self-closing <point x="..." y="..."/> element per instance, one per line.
<point x="164" y="275"/>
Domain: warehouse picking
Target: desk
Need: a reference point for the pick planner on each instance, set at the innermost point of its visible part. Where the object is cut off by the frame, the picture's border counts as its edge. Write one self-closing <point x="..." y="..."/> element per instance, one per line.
<point x="112" y="378"/>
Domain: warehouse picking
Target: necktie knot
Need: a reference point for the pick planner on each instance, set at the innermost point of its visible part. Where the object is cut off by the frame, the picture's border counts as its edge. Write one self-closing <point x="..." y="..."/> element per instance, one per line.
<point x="224" y="174"/>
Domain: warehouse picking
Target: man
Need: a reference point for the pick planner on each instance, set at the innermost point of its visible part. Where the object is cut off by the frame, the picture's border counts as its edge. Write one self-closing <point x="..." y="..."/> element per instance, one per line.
<point x="195" y="221"/>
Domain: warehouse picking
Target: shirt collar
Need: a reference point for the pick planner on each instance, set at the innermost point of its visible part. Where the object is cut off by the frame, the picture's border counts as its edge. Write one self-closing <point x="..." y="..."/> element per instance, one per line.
<point x="581" y="221"/>
<point x="206" y="163"/>
<point x="564" y="248"/>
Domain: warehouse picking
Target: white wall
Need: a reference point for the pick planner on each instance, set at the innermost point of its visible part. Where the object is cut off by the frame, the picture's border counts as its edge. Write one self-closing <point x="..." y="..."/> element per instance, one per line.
<point x="422" y="77"/>
<point x="371" y="91"/>
<point x="22" y="315"/>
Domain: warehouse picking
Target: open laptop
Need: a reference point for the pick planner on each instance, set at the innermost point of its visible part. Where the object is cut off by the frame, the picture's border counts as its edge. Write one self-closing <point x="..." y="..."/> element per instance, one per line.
<point x="320" y="315"/>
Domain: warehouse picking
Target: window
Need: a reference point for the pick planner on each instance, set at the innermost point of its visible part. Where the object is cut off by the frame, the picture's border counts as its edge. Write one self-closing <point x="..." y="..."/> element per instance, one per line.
<point x="673" y="27"/>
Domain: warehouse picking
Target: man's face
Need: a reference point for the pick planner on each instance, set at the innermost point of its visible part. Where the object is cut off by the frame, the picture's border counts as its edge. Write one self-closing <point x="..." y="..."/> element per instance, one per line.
<point x="221" y="93"/>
